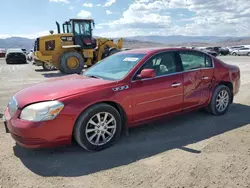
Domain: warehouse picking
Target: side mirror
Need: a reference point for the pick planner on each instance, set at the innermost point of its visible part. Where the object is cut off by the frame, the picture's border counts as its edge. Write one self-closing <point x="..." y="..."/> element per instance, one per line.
<point x="147" y="73"/>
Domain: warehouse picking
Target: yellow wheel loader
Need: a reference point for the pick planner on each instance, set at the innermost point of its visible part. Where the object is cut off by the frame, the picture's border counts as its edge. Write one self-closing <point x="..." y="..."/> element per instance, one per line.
<point x="74" y="48"/>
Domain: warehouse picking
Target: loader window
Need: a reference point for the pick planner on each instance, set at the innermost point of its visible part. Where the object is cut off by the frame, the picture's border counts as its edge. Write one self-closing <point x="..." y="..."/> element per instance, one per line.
<point x="67" y="28"/>
<point x="114" y="67"/>
<point x="82" y="28"/>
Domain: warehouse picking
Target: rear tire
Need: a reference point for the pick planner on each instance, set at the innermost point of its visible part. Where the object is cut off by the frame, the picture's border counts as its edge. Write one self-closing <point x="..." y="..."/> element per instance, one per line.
<point x="84" y="130"/>
<point x="220" y="100"/>
<point x="234" y="54"/>
<point x="65" y="68"/>
<point x="248" y="54"/>
<point x="113" y="51"/>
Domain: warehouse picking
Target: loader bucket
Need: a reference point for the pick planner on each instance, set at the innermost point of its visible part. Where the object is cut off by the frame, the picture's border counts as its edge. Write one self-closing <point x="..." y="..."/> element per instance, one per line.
<point x="120" y="43"/>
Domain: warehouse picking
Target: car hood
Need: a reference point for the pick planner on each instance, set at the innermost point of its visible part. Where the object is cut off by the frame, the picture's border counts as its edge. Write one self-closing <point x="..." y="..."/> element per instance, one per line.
<point x="58" y="88"/>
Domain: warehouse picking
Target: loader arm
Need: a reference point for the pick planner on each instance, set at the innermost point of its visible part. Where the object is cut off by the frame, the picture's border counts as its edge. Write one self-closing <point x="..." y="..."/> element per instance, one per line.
<point x="107" y="43"/>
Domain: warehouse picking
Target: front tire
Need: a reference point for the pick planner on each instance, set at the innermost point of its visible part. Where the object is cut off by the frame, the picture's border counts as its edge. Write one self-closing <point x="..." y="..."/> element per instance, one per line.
<point x="47" y="67"/>
<point x="234" y="54"/>
<point x="98" y="127"/>
<point x="71" y="63"/>
<point x="248" y="54"/>
<point x="220" y="101"/>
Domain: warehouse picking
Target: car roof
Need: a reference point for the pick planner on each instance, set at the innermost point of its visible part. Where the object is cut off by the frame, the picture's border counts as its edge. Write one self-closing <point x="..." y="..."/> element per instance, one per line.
<point x="155" y="50"/>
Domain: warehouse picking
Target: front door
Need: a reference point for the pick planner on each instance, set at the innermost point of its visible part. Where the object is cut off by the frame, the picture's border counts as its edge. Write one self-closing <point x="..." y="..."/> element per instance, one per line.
<point x="197" y="78"/>
<point x="162" y="94"/>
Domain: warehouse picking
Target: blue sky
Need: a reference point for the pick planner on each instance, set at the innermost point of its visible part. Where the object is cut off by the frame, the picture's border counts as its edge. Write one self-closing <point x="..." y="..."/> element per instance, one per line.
<point x="114" y="18"/>
<point x="32" y="16"/>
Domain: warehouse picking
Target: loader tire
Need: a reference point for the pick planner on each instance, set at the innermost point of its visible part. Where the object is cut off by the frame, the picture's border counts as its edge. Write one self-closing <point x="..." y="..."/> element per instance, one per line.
<point x="113" y="51"/>
<point x="71" y="63"/>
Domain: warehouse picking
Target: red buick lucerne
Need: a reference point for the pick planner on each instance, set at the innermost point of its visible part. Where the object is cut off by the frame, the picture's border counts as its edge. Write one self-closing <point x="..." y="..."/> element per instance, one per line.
<point x="124" y="90"/>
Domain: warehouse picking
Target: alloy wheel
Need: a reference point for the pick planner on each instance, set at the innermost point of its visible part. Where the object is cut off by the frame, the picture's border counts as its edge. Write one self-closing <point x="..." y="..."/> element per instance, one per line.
<point x="222" y="100"/>
<point x="101" y="128"/>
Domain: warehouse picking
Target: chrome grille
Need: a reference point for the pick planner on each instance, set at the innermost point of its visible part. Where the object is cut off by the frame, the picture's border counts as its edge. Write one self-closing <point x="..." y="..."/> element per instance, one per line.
<point x="12" y="106"/>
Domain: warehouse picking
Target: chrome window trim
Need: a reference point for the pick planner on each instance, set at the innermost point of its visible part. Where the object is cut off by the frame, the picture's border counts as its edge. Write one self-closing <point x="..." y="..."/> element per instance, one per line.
<point x="203" y="68"/>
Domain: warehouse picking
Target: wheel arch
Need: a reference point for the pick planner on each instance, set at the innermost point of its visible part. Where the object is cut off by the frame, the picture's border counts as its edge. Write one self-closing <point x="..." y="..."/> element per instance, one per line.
<point x="229" y="85"/>
<point x="114" y="104"/>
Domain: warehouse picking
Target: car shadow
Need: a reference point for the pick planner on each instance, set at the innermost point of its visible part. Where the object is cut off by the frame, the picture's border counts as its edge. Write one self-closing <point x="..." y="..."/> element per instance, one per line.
<point x="18" y="63"/>
<point x="53" y="74"/>
<point x="40" y="70"/>
<point x="143" y="142"/>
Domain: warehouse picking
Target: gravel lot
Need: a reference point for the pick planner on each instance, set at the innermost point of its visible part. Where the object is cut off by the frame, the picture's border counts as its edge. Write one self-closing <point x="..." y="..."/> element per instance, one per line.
<point x="193" y="150"/>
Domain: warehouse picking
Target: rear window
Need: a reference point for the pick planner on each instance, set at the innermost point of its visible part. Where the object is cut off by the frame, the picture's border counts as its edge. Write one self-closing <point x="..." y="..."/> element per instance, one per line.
<point x="14" y="51"/>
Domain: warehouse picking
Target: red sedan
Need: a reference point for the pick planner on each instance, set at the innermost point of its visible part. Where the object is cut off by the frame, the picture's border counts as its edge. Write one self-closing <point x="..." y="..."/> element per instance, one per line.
<point x="124" y="90"/>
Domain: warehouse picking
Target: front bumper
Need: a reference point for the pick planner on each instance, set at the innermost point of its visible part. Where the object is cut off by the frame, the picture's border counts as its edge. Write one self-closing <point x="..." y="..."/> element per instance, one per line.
<point x="45" y="134"/>
<point x="16" y="59"/>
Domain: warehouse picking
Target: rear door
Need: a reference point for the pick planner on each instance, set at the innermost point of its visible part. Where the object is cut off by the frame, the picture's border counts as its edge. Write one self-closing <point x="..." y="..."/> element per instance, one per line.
<point x="197" y="78"/>
<point x="162" y="94"/>
<point x="207" y="75"/>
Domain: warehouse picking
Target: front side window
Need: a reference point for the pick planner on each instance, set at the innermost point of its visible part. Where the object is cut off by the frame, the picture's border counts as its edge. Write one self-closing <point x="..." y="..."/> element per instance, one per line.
<point x="163" y="64"/>
<point x="194" y="60"/>
<point x="114" y="67"/>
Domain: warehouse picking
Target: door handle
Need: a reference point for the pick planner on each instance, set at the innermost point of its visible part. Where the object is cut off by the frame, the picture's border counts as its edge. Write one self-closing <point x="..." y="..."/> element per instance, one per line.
<point x="176" y="84"/>
<point x="205" y="78"/>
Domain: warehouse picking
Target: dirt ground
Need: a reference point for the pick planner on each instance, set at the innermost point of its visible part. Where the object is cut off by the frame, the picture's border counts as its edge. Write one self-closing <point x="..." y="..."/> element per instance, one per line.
<point x="192" y="150"/>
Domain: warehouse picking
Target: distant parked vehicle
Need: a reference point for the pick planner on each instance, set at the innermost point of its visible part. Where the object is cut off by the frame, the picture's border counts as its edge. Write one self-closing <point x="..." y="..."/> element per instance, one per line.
<point x="241" y="51"/>
<point x="15" y="55"/>
<point x="208" y="50"/>
<point x="233" y="48"/>
<point x="2" y="52"/>
<point x="218" y="50"/>
<point x="224" y="51"/>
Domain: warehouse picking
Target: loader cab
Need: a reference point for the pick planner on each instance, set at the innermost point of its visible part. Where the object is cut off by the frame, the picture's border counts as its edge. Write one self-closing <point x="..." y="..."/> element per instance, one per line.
<point x="82" y="32"/>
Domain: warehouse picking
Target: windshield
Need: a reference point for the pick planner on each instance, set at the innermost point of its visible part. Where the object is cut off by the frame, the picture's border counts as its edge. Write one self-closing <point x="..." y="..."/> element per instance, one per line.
<point x="114" y="67"/>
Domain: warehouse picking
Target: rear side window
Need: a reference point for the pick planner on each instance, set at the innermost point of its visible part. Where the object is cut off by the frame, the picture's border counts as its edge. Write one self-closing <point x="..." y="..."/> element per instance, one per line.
<point x="194" y="60"/>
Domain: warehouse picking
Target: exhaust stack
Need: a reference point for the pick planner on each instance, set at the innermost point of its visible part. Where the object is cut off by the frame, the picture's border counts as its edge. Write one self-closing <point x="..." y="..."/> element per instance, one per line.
<point x="58" y="27"/>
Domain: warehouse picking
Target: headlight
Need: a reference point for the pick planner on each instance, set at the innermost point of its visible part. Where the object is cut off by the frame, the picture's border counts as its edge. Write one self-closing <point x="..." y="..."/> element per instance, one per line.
<point x="42" y="111"/>
<point x="65" y="39"/>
